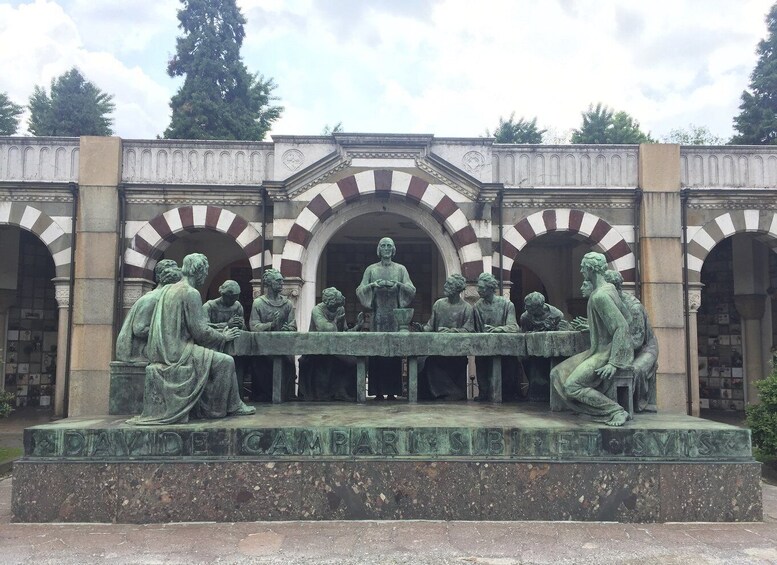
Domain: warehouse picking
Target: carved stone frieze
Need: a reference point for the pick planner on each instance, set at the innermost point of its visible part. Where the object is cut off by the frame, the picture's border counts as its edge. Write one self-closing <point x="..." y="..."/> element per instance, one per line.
<point x="293" y="159"/>
<point x="473" y="162"/>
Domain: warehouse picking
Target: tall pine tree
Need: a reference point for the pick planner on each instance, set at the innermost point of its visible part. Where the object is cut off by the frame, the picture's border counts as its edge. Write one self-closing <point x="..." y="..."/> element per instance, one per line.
<point x="219" y="99"/>
<point x="756" y="124"/>
<point x="74" y="107"/>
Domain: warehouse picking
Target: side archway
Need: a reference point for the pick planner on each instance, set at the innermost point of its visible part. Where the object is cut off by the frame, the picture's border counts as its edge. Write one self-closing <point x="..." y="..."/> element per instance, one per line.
<point x="593" y="229"/>
<point x="713" y="232"/>
<point x="42" y="225"/>
<point x="154" y="237"/>
<point x="413" y="190"/>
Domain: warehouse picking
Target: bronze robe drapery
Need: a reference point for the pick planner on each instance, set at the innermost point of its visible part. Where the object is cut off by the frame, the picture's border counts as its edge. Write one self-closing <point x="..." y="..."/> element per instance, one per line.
<point x="261" y="366"/>
<point x="327" y="377"/>
<point x="574" y="380"/>
<point x="185" y="374"/>
<point x="133" y="337"/>
<point x="446" y="377"/>
<point x="499" y="313"/>
<point x="385" y="373"/>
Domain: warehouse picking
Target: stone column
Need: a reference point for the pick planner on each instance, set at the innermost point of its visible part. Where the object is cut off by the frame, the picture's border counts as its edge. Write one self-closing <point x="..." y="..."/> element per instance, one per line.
<point x="694" y="303"/>
<point x="662" y="269"/>
<point x="751" y="310"/>
<point x="62" y="295"/>
<point x="97" y="234"/>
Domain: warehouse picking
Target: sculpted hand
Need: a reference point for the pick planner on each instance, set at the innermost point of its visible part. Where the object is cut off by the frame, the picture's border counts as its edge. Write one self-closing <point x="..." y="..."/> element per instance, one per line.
<point x="488" y="328"/>
<point x="444" y="330"/>
<point x="496" y="330"/>
<point x="231" y="333"/>
<point x="607" y="371"/>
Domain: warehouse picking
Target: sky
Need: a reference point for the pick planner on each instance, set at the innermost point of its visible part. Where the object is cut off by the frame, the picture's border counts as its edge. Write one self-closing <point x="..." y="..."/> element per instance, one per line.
<point x="446" y="67"/>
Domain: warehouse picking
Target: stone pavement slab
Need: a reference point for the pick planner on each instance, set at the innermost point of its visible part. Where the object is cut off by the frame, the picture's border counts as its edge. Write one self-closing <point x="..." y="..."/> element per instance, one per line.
<point x="390" y="542"/>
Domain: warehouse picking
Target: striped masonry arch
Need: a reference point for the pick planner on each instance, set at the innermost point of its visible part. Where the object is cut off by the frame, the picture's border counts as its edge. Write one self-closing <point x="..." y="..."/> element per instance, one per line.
<point x="154" y="237"/>
<point x="763" y="222"/>
<point x="48" y="231"/>
<point x="386" y="183"/>
<point x="595" y="230"/>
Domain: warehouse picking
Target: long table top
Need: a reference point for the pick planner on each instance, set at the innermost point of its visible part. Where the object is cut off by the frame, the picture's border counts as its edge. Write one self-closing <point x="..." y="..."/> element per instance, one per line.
<point x="396" y="344"/>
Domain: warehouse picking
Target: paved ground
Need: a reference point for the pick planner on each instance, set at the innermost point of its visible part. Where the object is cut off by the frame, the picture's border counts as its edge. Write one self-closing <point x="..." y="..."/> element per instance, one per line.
<point x="380" y="543"/>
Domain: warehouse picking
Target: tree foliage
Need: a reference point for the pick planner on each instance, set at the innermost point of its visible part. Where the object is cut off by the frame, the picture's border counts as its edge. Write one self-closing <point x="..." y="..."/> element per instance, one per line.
<point x="329" y="130"/>
<point x="756" y="124"/>
<point x="522" y="131"/>
<point x="762" y="418"/>
<point x="603" y="125"/>
<point x="692" y="135"/>
<point x="74" y="107"/>
<point x="9" y="115"/>
<point x="219" y="99"/>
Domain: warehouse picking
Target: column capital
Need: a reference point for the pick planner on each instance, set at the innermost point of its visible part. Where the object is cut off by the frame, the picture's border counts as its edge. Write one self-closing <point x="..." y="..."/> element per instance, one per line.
<point x="750" y="306"/>
<point x="694" y="297"/>
<point x="62" y="291"/>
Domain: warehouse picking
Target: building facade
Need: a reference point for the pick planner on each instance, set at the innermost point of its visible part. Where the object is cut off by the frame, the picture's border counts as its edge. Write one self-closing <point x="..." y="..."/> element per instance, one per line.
<point x="84" y="221"/>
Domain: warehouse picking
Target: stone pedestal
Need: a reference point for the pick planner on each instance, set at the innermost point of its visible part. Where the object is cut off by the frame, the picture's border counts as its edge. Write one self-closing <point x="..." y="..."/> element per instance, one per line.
<point x="458" y="461"/>
<point x="126" y="388"/>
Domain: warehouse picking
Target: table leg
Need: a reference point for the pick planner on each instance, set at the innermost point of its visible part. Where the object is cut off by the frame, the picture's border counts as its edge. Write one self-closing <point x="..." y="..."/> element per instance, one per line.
<point x="496" y="379"/>
<point x="361" y="379"/>
<point x="412" y="379"/>
<point x="277" y="379"/>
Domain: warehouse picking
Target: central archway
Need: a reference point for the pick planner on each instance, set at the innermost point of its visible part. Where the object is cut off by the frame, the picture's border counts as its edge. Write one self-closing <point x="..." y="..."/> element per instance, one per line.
<point x="329" y="227"/>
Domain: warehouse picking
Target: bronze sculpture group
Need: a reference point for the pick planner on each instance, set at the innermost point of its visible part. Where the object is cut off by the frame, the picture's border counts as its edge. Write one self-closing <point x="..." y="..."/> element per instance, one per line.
<point x="189" y="376"/>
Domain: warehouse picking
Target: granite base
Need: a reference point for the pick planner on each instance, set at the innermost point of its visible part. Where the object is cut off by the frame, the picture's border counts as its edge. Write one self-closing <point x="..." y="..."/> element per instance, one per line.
<point x="233" y="491"/>
<point x="389" y="461"/>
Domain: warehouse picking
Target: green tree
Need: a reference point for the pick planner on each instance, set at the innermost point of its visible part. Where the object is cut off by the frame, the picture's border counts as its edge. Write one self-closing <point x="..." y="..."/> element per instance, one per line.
<point x="329" y="130"/>
<point x="74" y="107"/>
<point x="219" y="98"/>
<point x="9" y="115"/>
<point x="756" y="124"/>
<point x="522" y="131"/>
<point x="603" y="125"/>
<point x="692" y="135"/>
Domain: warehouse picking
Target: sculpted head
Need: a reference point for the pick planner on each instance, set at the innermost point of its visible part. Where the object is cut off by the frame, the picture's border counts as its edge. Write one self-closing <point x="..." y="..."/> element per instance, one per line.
<point x="273" y="280"/>
<point x="170" y="275"/>
<point x="534" y="303"/>
<point x="162" y="266"/>
<point x="332" y="298"/>
<point x="614" y="278"/>
<point x="386" y="248"/>
<point x="195" y="266"/>
<point x="586" y="289"/>
<point x="230" y="292"/>
<point x="454" y="285"/>
<point x="487" y="285"/>
<point x="593" y="264"/>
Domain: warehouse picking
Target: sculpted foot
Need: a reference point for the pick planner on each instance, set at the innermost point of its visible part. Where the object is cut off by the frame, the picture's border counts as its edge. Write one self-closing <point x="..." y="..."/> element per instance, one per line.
<point x="618" y="419"/>
<point x="245" y="410"/>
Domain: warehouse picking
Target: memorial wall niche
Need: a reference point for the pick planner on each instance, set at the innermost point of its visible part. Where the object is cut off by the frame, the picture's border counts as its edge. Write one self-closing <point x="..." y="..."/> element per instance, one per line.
<point x="31" y="341"/>
<point x="721" y="374"/>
